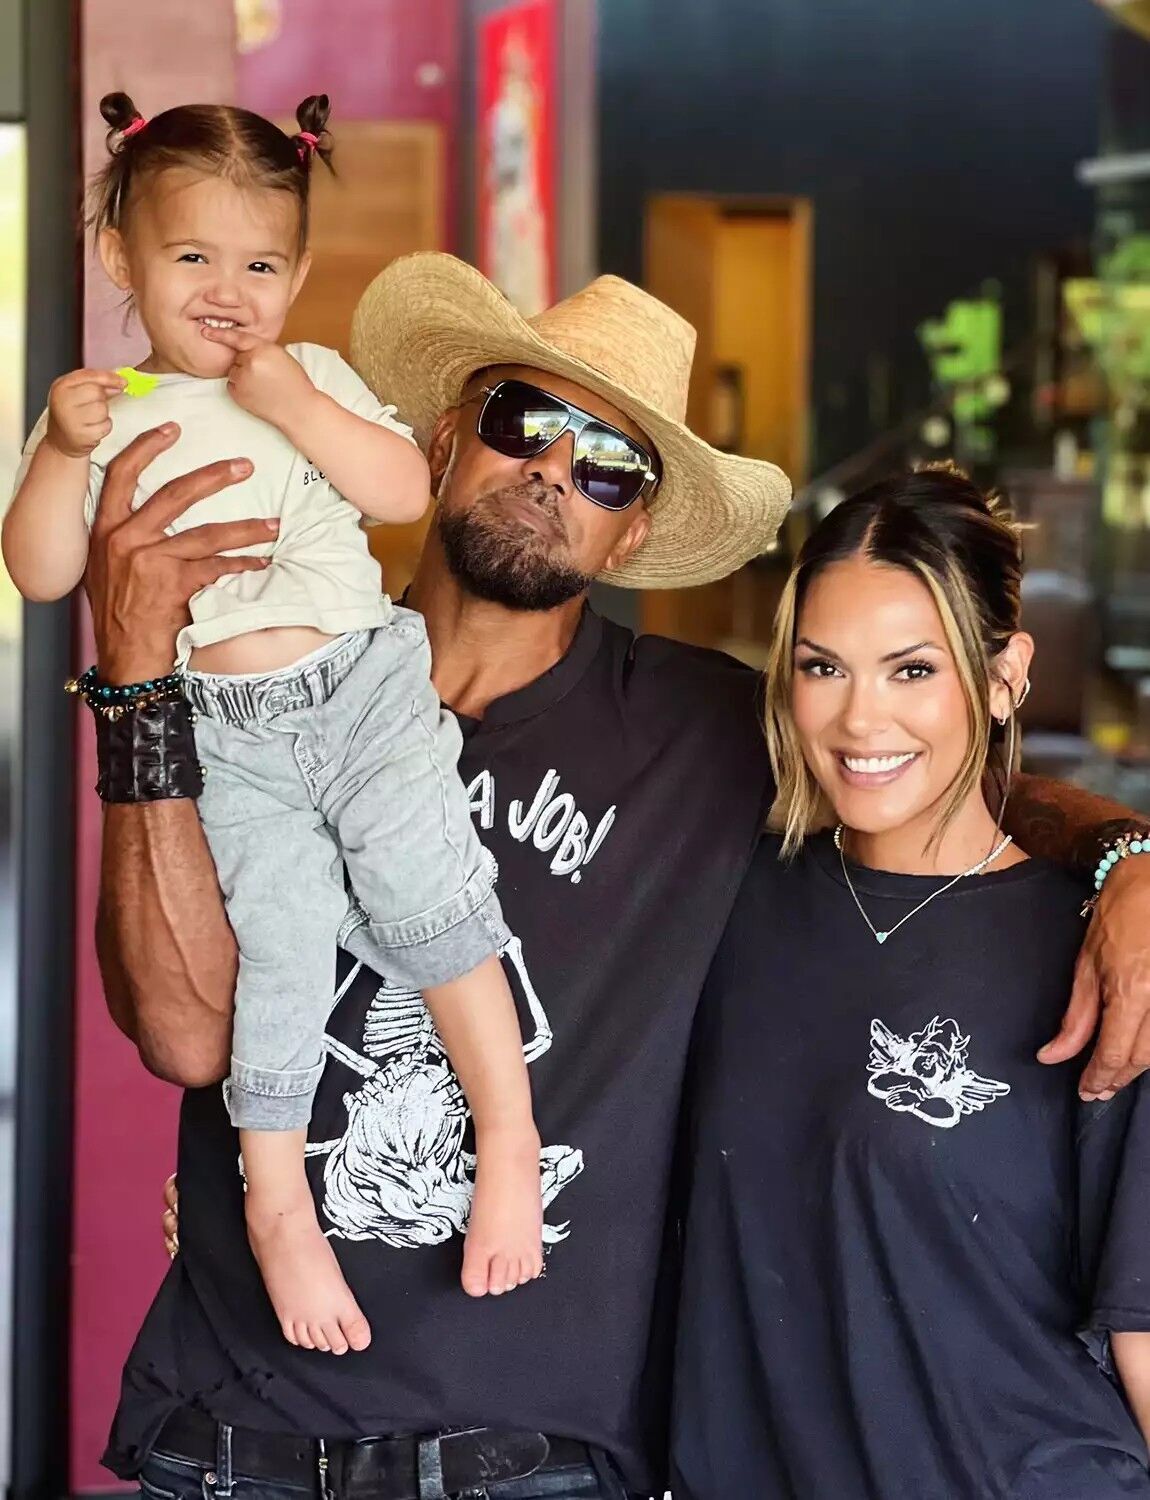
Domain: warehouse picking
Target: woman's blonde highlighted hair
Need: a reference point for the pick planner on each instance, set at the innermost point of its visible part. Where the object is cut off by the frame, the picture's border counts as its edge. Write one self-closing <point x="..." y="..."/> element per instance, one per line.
<point x="939" y="526"/>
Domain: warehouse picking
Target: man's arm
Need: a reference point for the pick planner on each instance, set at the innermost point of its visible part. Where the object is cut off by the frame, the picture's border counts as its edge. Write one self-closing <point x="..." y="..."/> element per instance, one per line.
<point x="1112" y="981"/>
<point x="1063" y="823"/>
<point x="167" y="954"/>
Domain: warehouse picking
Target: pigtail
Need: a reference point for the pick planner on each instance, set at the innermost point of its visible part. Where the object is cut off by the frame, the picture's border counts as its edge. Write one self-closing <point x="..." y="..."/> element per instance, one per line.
<point x="314" y="138"/>
<point x="109" y="190"/>
<point x="121" y="114"/>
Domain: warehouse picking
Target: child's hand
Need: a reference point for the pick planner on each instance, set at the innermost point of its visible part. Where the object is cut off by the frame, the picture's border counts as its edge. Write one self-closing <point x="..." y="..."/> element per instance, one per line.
<point x="264" y="378"/>
<point x="78" y="410"/>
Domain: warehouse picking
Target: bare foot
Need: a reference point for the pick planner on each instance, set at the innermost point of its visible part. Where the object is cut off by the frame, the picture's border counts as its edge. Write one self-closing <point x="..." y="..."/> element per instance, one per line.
<point x="312" y="1301"/>
<point x="504" y="1245"/>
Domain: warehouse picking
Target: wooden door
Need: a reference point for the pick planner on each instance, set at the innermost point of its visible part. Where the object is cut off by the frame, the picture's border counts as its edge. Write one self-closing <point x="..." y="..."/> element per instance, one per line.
<point x="761" y="327"/>
<point x="680" y="256"/>
<point x="739" y="270"/>
<point x="680" y="251"/>
<point x="385" y="200"/>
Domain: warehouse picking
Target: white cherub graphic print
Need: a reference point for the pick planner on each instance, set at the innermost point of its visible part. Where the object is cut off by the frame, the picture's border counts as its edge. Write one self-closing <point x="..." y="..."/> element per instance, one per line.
<point x="399" y="1173"/>
<point x="926" y="1075"/>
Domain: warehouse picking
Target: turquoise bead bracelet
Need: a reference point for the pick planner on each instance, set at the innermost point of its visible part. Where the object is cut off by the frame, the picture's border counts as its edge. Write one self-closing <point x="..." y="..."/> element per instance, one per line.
<point x="1123" y="847"/>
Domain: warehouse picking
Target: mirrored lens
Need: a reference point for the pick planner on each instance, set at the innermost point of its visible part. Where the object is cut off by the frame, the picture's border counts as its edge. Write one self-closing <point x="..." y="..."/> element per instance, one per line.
<point x="608" y="468"/>
<point x="517" y="420"/>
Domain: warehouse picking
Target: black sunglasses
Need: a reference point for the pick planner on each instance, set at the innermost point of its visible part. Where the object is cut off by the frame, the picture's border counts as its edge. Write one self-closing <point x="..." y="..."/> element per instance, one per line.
<point x="520" y="421"/>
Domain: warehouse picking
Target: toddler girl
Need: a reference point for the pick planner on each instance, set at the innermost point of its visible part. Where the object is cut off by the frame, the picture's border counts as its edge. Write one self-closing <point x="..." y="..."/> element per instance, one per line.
<point x="321" y="735"/>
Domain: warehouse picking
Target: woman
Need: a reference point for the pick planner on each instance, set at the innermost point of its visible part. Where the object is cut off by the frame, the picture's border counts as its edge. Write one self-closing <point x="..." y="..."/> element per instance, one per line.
<point x="913" y="1259"/>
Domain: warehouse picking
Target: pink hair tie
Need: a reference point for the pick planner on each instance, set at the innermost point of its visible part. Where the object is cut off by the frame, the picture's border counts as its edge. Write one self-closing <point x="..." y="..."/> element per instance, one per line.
<point x="133" y="129"/>
<point x="307" y="144"/>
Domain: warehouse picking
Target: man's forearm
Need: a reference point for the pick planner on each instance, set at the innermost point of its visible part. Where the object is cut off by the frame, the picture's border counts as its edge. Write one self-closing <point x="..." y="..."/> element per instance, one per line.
<point x="167" y="954"/>
<point x="1063" y="823"/>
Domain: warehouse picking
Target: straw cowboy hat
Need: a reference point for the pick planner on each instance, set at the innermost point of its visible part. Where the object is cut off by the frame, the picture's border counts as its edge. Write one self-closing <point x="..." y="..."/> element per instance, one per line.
<point x="428" y="322"/>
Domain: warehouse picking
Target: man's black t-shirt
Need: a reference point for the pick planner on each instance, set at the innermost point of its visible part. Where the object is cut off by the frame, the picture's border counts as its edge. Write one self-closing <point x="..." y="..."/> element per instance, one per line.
<point x="622" y="794"/>
<point x="905" y="1235"/>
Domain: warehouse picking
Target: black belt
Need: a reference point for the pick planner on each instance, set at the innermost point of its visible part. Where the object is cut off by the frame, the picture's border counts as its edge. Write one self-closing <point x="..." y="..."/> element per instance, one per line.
<point x="411" y="1467"/>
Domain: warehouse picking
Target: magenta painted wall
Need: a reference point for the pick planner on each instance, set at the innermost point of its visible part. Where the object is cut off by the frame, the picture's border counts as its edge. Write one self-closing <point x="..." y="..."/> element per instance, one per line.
<point x="377" y="59"/>
<point x="124" y="1148"/>
<point x="125" y="1120"/>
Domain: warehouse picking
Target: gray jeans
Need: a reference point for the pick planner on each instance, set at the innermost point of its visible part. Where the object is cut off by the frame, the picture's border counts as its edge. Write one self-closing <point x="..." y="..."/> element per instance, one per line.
<point x="344" y="758"/>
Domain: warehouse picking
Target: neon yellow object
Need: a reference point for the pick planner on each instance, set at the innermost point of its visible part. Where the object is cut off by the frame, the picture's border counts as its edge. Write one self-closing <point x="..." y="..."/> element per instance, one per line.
<point x="136" y="383"/>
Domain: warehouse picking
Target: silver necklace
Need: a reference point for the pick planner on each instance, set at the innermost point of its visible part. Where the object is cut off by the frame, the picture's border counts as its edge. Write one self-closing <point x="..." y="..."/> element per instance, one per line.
<point x="881" y="937"/>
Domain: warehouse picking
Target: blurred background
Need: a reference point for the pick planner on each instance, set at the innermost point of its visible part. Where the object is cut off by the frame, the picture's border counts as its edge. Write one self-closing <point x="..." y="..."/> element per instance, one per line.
<point x="903" y="231"/>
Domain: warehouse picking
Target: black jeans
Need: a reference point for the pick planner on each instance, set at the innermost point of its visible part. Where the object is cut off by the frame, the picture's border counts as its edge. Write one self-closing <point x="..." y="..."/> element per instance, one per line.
<point x="166" y="1477"/>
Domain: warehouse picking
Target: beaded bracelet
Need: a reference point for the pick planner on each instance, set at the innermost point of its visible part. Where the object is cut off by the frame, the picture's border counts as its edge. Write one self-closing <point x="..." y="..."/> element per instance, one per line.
<point x="1123" y="847"/>
<point x="109" y="701"/>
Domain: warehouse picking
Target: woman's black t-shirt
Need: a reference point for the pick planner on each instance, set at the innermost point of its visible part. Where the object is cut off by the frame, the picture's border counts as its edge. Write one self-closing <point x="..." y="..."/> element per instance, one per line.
<point x="906" y="1238"/>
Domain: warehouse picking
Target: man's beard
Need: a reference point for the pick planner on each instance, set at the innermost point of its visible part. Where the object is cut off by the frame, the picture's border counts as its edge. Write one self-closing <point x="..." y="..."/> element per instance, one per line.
<point x="497" y="557"/>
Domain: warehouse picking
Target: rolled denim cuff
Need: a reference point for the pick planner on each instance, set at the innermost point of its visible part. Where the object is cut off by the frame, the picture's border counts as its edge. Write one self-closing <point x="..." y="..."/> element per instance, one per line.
<point x="270" y="1099"/>
<point x="451" y="953"/>
<point x="436" y="946"/>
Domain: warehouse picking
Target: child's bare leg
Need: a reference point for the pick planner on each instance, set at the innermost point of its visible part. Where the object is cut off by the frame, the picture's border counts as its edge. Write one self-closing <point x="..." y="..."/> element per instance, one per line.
<point x="476" y="1018"/>
<point x="312" y="1301"/>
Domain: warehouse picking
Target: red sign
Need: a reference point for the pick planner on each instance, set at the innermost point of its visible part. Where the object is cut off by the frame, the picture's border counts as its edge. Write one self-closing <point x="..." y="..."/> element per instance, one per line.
<point x="516" y="179"/>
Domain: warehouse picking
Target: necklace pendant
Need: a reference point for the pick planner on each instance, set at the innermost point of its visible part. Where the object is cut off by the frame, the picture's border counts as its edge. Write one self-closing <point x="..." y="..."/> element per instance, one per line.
<point x="881" y="937"/>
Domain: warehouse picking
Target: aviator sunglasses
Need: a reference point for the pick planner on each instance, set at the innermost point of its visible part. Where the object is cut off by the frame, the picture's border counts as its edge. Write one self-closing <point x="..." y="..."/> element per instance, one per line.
<point x="608" y="468"/>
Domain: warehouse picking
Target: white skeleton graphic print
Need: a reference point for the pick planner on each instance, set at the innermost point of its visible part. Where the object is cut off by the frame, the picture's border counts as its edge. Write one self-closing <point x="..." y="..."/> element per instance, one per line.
<point x="399" y="1173"/>
<point x="926" y="1075"/>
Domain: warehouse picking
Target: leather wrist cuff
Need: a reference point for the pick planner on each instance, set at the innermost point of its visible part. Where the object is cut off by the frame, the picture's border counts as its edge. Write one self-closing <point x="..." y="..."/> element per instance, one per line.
<point x="148" y="754"/>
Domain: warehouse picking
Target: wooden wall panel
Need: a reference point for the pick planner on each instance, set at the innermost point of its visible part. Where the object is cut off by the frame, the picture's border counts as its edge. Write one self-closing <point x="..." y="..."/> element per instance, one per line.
<point x="386" y="201"/>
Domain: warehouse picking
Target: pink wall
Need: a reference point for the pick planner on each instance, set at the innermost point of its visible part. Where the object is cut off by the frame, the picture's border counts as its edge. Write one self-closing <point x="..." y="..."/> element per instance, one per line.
<point x="377" y="59"/>
<point x="161" y="53"/>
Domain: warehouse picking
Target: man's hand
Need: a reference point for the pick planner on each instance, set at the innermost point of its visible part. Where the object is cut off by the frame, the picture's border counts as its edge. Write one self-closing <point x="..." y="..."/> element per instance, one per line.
<point x="78" y="417"/>
<point x="171" y="1219"/>
<point x="1112" y="979"/>
<point x="139" y="579"/>
<point x="264" y="378"/>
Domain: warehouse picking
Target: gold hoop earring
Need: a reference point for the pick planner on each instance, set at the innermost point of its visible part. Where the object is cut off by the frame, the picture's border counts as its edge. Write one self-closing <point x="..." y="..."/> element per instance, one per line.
<point x="1022" y="697"/>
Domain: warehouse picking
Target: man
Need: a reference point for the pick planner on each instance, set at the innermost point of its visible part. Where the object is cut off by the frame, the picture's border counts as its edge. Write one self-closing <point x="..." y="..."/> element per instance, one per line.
<point x="621" y="784"/>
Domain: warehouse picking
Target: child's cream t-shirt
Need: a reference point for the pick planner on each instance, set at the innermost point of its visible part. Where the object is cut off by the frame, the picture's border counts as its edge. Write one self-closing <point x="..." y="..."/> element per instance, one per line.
<point x="322" y="573"/>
